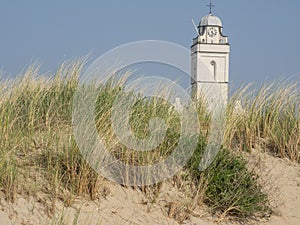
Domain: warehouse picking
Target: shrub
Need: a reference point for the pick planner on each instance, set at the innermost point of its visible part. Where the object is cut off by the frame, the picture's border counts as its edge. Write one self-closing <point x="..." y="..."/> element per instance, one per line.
<point x="231" y="188"/>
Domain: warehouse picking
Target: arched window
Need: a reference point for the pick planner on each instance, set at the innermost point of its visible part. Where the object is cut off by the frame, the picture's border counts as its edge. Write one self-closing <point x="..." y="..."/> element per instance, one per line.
<point x="214" y="69"/>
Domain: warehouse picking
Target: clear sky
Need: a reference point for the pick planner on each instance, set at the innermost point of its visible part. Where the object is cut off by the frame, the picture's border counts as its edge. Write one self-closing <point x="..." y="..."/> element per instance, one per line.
<point x="264" y="35"/>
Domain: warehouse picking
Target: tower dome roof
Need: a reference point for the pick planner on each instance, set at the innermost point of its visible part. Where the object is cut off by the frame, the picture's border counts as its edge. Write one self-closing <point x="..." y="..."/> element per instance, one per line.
<point x="210" y="20"/>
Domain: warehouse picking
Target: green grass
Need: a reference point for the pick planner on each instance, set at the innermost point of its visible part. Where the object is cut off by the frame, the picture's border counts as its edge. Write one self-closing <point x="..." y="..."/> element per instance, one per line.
<point x="140" y="115"/>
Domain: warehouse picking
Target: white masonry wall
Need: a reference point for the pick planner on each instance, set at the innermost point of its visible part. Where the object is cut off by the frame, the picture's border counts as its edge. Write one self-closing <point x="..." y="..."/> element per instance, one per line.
<point x="210" y="69"/>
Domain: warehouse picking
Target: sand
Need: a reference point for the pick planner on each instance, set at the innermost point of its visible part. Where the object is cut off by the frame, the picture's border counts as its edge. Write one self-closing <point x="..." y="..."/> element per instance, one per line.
<point x="127" y="206"/>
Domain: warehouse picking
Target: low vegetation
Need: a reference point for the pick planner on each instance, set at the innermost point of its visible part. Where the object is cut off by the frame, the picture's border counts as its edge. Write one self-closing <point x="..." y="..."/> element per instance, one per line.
<point x="38" y="152"/>
<point x="266" y="119"/>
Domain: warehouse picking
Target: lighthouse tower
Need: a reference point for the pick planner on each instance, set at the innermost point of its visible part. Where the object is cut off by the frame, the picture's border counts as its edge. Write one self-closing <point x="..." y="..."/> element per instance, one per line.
<point x="210" y="60"/>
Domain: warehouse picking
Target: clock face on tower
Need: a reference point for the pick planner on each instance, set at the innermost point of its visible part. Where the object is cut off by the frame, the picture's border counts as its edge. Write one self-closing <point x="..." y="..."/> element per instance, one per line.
<point x="212" y="32"/>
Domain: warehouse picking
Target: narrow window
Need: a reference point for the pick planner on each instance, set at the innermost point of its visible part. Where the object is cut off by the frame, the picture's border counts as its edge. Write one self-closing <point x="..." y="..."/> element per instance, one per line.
<point x="214" y="69"/>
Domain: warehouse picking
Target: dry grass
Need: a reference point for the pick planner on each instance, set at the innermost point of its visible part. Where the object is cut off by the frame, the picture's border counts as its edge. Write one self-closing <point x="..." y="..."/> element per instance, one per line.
<point x="268" y="119"/>
<point x="36" y="136"/>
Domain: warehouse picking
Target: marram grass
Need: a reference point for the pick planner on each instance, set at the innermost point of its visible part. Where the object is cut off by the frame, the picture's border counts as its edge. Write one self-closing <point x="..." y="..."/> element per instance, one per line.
<point x="268" y="119"/>
<point x="38" y="152"/>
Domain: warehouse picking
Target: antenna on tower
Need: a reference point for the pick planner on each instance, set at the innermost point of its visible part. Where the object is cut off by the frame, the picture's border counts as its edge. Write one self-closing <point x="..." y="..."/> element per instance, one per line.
<point x="197" y="31"/>
<point x="210" y="7"/>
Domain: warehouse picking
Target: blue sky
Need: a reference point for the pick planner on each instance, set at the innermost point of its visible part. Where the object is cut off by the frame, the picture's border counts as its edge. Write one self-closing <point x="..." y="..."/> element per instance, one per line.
<point x="264" y="35"/>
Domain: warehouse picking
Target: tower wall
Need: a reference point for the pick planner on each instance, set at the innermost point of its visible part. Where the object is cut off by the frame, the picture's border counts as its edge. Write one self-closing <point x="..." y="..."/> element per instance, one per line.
<point x="210" y="63"/>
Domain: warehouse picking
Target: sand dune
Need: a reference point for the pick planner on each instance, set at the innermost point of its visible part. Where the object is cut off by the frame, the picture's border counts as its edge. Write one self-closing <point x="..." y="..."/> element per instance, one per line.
<point x="128" y="206"/>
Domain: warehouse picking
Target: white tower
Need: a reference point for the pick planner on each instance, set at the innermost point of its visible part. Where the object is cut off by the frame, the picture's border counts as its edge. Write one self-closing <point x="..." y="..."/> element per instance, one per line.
<point x="210" y="60"/>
